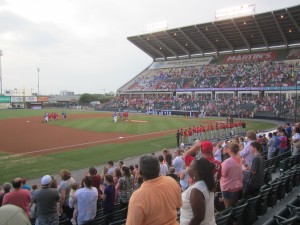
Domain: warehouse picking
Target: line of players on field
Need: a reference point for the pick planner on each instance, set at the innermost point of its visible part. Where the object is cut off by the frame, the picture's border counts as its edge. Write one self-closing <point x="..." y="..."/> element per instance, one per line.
<point x="210" y="131"/>
<point x="53" y="116"/>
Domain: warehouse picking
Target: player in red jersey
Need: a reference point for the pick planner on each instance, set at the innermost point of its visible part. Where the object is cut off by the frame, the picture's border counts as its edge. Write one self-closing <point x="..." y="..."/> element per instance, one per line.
<point x="207" y="132"/>
<point x="190" y="133"/>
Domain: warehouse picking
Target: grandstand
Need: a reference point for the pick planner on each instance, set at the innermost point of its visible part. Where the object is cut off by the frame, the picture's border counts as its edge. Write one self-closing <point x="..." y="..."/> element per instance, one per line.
<point x="245" y="66"/>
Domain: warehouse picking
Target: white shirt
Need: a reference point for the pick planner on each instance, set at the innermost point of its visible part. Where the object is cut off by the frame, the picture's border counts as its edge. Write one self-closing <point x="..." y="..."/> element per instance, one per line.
<point x="178" y="164"/>
<point x="186" y="212"/>
<point x="163" y="170"/>
<point x="111" y="171"/>
<point x="86" y="203"/>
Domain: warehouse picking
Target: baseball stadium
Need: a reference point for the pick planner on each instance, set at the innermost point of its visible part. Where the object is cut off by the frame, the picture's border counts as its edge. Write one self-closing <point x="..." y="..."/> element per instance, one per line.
<point x="205" y="81"/>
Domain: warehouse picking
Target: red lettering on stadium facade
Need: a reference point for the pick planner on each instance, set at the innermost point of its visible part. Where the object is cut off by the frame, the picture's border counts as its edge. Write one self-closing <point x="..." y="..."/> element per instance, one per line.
<point x="250" y="57"/>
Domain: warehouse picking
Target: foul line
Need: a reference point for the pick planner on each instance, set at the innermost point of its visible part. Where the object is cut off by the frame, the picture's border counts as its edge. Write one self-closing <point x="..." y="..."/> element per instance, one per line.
<point x="86" y="143"/>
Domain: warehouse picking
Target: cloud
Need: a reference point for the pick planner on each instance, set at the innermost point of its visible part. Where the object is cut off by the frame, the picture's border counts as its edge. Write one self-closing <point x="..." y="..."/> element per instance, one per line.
<point x="3" y="2"/>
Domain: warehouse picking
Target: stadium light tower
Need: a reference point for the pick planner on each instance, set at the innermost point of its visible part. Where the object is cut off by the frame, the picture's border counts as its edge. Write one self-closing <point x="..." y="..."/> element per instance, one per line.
<point x="1" y="54"/>
<point x="38" y="72"/>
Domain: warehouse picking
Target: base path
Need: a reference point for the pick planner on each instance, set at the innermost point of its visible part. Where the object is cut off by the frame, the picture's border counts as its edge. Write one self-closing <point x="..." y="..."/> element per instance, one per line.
<point x="30" y="135"/>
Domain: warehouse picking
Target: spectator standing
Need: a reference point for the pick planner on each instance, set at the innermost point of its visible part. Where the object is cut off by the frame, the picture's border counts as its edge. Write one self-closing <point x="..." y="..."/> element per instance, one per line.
<point x="178" y="162"/>
<point x="64" y="189"/>
<point x="86" y="201"/>
<point x="108" y="196"/>
<point x="256" y="169"/>
<point x="283" y="145"/>
<point x="198" y="199"/>
<point x="7" y="188"/>
<point x="111" y="168"/>
<point x="272" y="146"/>
<point x="157" y="200"/>
<point x="125" y="186"/>
<point x="46" y="200"/>
<point x="18" y="197"/>
<point x="248" y="156"/>
<point x="296" y="141"/>
<point x="232" y="175"/>
<point x="206" y="151"/>
<point x="163" y="167"/>
<point x="116" y="179"/>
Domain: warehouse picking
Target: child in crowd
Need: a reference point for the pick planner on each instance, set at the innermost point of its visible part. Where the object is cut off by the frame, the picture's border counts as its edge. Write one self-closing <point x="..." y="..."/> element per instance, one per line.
<point x="73" y="202"/>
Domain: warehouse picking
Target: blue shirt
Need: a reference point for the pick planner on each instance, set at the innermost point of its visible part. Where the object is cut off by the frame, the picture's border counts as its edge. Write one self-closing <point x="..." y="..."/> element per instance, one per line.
<point x="277" y="142"/>
<point x="108" y="203"/>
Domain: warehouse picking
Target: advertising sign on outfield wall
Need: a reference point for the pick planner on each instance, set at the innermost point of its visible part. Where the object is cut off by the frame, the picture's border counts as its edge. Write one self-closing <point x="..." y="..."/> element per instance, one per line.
<point x="17" y="105"/>
<point x="4" y="99"/>
<point x="31" y="99"/>
<point x="4" y="105"/>
<point x="16" y="99"/>
<point x="42" y="98"/>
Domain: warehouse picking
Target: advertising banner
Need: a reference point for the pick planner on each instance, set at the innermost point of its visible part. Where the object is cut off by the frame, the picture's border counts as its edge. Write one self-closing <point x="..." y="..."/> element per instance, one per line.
<point x="293" y="54"/>
<point x="42" y="98"/>
<point x="17" y="105"/>
<point x="16" y="99"/>
<point x="4" y="99"/>
<point x="181" y="63"/>
<point x="250" y="57"/>
<point x="4" y="105"/>
<point x="31" y="99"/>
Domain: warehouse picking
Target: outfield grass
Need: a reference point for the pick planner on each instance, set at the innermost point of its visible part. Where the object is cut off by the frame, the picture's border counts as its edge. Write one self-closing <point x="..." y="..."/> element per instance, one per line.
<point x="32" y="167"/>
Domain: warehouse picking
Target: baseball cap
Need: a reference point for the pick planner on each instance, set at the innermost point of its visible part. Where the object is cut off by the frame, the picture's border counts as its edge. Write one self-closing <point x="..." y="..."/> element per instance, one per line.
<point x="206" y="147"/>
<point x="46" y="180"/>
<point x="188" y="159"/>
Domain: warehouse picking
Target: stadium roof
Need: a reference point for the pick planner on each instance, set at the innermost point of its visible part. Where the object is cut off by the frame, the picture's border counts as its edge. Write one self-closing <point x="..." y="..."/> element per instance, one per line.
<point x="265" y="30"/>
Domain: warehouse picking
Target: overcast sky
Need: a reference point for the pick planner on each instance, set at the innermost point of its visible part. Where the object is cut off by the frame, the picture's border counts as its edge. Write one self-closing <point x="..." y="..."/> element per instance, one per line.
<point x="82" y="46"/>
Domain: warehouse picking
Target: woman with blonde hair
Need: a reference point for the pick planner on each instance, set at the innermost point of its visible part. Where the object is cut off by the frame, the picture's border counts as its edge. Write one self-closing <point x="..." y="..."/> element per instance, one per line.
<point x="232" y="175"/>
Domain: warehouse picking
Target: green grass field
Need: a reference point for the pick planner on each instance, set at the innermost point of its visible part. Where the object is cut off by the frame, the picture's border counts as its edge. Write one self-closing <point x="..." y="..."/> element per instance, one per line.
<point x="36" y="166"/>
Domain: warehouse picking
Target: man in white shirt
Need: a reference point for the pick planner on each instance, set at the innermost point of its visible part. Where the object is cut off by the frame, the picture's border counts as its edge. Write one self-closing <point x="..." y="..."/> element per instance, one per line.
<point x="164" y="171"/>
<point x="178" y="162"/>
<point x="87" y="201"/>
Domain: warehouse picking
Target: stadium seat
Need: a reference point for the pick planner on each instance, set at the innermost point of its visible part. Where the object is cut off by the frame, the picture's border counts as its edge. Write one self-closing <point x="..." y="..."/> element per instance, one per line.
<point x="103" y="220"/>
<point x="281" y="187"/>
<point x="119" y="222"/>
<point x="237" y="212"/>
<point x="286" y="216"/>
<point x="261" y="206"/>
<point x="222" y="218"/>
<point x="118" y="215"/>
<point x="272" y="196"/>
<point x="268" y="174"/>
<point x="250" y="215"/>
<point x="289" y="183"/>
<point x="296" y="178"/>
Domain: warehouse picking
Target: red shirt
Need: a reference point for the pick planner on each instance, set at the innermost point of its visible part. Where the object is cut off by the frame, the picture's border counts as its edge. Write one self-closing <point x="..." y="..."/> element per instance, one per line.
<point x="217" y="170"/>
<point x="20" y="197"/>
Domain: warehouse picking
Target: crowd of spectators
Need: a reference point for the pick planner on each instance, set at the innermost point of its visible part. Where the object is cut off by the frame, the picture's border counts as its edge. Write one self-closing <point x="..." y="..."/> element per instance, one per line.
<point x="238" y="75"/>
<point x="245" y="107"/>
<point x="154" y="189"/>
